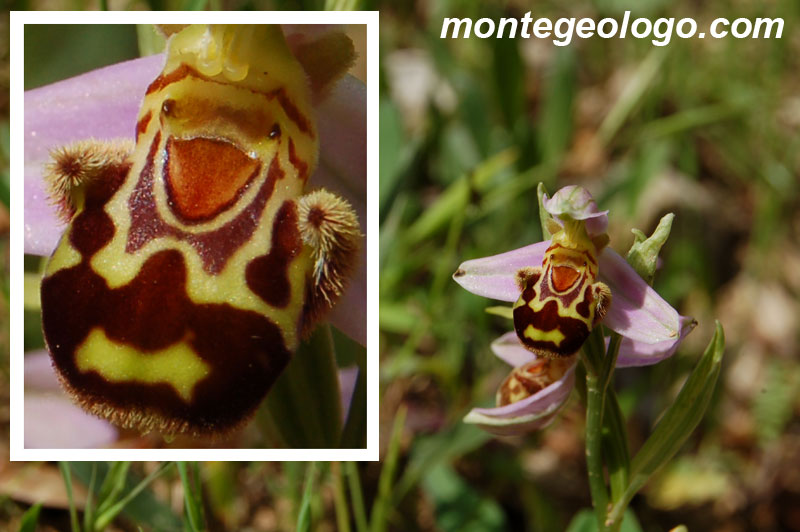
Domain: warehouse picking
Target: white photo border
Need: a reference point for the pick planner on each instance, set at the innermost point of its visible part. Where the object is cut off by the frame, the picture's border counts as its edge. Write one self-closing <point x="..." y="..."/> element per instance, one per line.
<point x="18" y="21"/>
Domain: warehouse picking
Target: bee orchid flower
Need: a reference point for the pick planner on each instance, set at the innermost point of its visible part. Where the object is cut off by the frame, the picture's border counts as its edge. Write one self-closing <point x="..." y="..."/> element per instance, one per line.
<point x="548" y="281"/>
<point x="103" y="105"/>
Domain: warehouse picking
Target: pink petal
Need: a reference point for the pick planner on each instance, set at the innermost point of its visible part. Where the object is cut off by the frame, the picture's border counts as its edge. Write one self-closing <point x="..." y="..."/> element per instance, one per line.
<point x="39" y="373"/>
<point x="635" y="353"/>
<point x="509" y="349"/>
<point x="532" y="413"/>
<point x="101" y="104"/>
<point x="348" y="377"/>
<point x="496" y="276"/>
<point x="651" y="327"/>
<point x="52" y="421"/>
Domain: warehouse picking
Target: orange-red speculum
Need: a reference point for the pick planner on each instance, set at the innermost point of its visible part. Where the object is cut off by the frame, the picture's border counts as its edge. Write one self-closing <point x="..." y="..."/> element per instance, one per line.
<point x="205" y="176"/>
<point x="564" y="277"/>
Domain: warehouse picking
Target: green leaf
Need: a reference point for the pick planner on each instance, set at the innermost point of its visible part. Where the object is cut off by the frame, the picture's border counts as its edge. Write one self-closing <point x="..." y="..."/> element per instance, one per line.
<point x="678" y="422"/>
<point x="584" y="521"/>
<point x="396" y="151"/>
<point x="502" y="311"/>
<point x="632" y="93"/>
<point x="458" y="506"/>
<point x="304" y="405"/>
<point x="544" y="216"/>
<point x="193" y="5"/>
<point x="5" y="190"/>
<point x="30" y="518"/>
<point x="643" y="255"/>
<point x="5" y="139"/>
<point x="456" y="198"/>
<point x="773" y="408"/>
<point x="442" y="447"/>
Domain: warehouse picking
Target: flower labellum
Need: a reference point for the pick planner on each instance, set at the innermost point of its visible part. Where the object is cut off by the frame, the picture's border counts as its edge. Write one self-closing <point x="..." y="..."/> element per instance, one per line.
<point x="531" y="395"/>
<point x="561" y="301"/>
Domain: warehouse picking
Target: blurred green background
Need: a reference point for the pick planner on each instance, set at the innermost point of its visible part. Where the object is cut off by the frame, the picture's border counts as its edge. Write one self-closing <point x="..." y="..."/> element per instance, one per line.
<point x="707" y="129"/>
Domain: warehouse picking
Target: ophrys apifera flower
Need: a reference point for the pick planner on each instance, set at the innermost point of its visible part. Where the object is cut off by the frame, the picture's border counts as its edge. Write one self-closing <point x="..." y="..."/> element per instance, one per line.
<point x="561" y="289"/>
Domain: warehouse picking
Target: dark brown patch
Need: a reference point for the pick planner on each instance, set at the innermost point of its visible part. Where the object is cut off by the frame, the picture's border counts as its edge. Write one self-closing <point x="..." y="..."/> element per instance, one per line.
<point x="141" y="125"/>
<point x="300" y="165"/>
<point x="548" y="319"/>
<point x="275" y="132"/>
<point x="93" y="228"/>
<point x="214" y="247"/>
<point x="267" y="275"/>
<point x="244" y="349"/>
<point x="584" y="307"/>
<point x="291" y="110"/>
<point x="316" y="217"/>
<point x="529" y="293"/>
<point x="205" y="177"/>
<point x="168" y="107"/>
<point x="178" y="74"/>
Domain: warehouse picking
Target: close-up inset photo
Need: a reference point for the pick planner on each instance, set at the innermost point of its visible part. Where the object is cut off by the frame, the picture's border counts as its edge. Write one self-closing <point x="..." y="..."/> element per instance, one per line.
<point x="195" y="236"/>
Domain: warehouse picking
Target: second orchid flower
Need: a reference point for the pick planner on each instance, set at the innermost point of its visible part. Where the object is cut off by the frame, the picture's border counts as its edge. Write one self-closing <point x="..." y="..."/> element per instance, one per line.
<point x="562" y="288"/>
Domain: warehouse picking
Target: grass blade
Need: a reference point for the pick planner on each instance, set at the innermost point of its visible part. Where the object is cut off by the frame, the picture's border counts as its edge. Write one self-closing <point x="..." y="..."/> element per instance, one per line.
<point x="88" y="511"/>
<point x="304" y="514"/>
<point x="191" y="495"/>
<point x="380" y="507"/>
<point x="104" y="519"/>
<point x="73" y="511"/>
<point x="356" y="496"/>
<point x="30" y="518"/>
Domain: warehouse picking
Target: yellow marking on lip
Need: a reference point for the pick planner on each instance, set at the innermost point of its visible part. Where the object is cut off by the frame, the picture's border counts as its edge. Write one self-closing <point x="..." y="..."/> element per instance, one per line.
<point x="177" y="365"/>
<point x="65" y="256"/>
<point x="555" y="336"/>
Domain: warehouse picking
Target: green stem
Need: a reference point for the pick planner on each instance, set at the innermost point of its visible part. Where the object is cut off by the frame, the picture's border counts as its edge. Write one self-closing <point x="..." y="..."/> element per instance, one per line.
<point x="615" y="447"/>
<point x="594" y="455"/>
